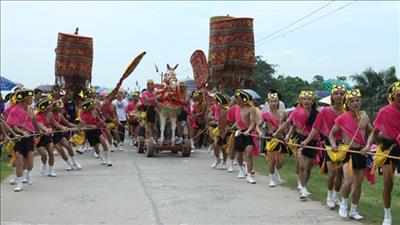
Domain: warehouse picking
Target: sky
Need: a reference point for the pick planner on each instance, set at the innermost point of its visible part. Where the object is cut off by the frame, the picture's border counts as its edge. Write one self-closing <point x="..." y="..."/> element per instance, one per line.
<point x="347" y="41"/>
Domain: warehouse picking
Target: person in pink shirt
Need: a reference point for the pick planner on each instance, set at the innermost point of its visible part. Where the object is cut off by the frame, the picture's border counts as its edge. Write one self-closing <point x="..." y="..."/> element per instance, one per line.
<point x="183" y="119"/>
<point x="322" y="126"/>
<point x="45" y="145"/>
<point x="220" y="132"/>
<point x="21" y="120"/>
<point x="353" y="126"/>
<point x="149" y="100"/>
<point x="133" y="115"/>
<point x="303" y="118"/>
<point x="274" y="118"/>
<point x="62" y="126"/>
<point x="244" y="144"/>
<point x="91" y="119"/>
<point x="387" y="125"/>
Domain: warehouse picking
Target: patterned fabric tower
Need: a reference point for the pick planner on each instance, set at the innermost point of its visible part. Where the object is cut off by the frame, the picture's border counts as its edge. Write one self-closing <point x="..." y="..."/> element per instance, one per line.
<point x="231" y="52"/>
<point x="74" y="58"/>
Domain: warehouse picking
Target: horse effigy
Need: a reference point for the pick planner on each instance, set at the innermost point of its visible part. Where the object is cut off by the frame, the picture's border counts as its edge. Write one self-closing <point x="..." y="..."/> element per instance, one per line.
<point x="169" y="102"/>
<point x="231" y="56"/>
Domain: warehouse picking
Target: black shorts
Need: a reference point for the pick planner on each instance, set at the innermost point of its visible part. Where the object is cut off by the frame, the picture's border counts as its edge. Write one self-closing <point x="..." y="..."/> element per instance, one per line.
<point x="359" y="161"/>
<point x="93" y="137"/>
<point x="44" y="141"/>
<point x="24" y="146"/>
<point x="57" y="137"/>
<point x="182" y="116"/>
<point x="308" y="152"/>
<point x="150" y="114"/>
<point x="386" y="144"/>
<point x="242" y="141"/>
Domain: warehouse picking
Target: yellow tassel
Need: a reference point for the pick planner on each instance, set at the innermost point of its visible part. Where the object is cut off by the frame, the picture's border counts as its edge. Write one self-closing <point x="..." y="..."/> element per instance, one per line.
<point x="351" y="166"/>
<point x="322" y="169"/>
<point x="12" y="160"/>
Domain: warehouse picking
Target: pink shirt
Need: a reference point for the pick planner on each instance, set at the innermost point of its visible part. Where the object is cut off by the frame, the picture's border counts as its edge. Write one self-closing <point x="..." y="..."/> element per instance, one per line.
<point x="230" y="115"/>
<point x="87" y="117"/>
<point x="41" y="118"/>
<point x="147" y="94"/>
<point x="20" y="118"/>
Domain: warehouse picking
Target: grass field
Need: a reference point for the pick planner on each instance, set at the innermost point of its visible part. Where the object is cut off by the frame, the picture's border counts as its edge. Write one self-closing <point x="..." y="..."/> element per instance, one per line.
<point x="370" y="206"/>
<point x="5" y="170"/>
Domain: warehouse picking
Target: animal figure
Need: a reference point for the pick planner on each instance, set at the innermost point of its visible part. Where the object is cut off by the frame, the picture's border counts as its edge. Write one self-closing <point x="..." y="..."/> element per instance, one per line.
<point x="169" y="102"/>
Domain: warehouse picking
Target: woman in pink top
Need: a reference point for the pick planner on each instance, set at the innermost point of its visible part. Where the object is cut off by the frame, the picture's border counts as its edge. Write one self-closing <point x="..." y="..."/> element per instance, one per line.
<point x="45" y="145"/>
<point x="303" y="119"/>
<point x="62" y="125"/>
<point x="322" y="126"/>
<point x="273" y="119"/>
<point x="21" y="120"/>
<point x="91" y="119"/>
<point x="387" y="122"/>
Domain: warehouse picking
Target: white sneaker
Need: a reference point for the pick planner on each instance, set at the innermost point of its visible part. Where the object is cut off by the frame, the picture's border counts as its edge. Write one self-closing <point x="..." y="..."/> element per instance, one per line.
<point x="76" y="165"/>
<point x="13" y="180"/>
<point x="52" y="174"/>
<point x="102" y="161"/>
<point x="241" y="172"/>
<point x="68" y="168"/>
<point x="343" y="211"/>
<point x="330" y="202"/>
<point x="222" y="166"/>
<point x="18" y="185"/>
<point x="179" y="141"/>
<point x="120" y="147"/>
<point x="29" y="179"/>
<point x="108" y="161"/>
<point x="43" y="169"/>
<point x="355" y="216"/>
<point x="250" y="179"/>
<point x="24" y="179"/>
<point x="303" y="194"/>
<point x="230" y="167"/>
<point x="277" y="177"/>
<point x="95" y="154"/>
<point x="271" y="181"/>
<point x="387" y="221"/>
<point x="216" y="163"/>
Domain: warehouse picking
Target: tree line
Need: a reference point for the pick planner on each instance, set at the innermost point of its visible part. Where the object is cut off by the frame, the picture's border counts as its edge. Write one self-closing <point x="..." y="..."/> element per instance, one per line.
<point x="372" y="84"/>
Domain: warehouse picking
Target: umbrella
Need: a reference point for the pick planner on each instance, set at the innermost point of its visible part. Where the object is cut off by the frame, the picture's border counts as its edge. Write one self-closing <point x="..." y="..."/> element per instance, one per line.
<point x="253" y="94"/>
<point x="326" y="100"/>
<point x="45" y="87"/>
<point x="6" y="84"/>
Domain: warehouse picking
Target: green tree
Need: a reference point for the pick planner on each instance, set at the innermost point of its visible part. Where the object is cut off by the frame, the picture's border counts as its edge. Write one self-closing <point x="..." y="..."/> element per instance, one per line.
<point x="373" y="86"/>
<point x="263" y="76"/>
<point x="317" y="82"/>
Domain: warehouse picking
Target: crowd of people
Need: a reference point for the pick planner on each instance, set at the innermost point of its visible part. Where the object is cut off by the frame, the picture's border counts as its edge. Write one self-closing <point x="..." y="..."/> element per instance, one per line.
<point x="340" y="136"/>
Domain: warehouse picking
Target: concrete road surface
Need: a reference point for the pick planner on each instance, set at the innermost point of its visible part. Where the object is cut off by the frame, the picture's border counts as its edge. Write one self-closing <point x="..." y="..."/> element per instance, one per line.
<point x="166" y="189"/>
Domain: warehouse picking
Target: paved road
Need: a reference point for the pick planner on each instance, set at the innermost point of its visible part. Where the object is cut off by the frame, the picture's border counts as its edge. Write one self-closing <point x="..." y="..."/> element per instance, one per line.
<point x="166" y="189"/>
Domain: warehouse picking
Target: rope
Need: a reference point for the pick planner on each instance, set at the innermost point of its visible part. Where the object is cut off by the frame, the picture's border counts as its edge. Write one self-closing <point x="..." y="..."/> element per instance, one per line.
<point x="323" y="149"/>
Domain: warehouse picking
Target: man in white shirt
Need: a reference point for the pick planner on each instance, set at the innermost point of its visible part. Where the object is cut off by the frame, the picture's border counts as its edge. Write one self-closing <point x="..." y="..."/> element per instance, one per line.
<point x="121" y="104"/>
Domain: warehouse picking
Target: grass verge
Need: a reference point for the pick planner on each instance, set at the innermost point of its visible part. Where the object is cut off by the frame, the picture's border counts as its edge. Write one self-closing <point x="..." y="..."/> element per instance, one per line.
<point x="5" y="170"/>
<point x="370" y="206"/>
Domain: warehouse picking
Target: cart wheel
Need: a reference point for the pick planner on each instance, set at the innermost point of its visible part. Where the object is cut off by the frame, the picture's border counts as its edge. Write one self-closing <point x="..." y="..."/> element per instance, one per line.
<point x="186" y="151"/>
<point x="150" y="149"/>
<point x="140" y="148"/>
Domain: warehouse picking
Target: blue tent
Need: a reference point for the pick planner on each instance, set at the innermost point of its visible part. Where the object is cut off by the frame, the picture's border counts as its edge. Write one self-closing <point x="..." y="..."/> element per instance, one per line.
<point x="6" y="84"/>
